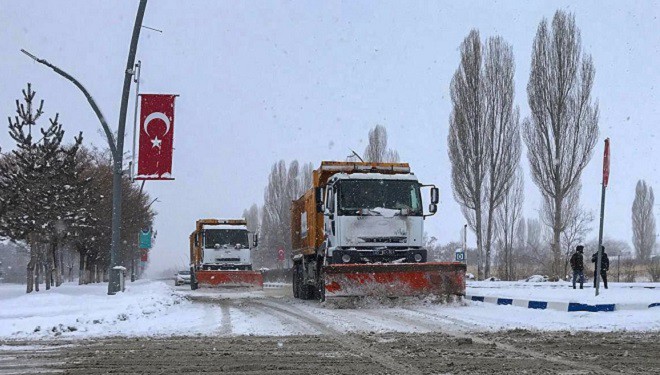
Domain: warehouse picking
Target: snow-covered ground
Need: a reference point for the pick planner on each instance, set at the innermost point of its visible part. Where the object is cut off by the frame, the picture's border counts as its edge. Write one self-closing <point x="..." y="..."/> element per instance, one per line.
<point x="86" y="310"/>
<point x="618" y="293"/>
<point x="157" y="308"/>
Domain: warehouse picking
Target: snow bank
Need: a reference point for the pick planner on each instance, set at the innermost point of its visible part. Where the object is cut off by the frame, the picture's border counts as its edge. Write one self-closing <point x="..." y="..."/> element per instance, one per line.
<point x="489" y="317"/>
<point x="618" y="293"/>
<point x="147" y="308"/>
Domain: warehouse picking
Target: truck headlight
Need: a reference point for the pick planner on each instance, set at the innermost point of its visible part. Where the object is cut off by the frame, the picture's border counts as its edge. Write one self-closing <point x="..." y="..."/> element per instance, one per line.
<point x="346" y="258"/>
<point x="418" y="257"/>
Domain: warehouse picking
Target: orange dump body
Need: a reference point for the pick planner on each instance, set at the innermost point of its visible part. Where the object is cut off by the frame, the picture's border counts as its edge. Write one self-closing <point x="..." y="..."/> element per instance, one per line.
<point x="395" y="279"/>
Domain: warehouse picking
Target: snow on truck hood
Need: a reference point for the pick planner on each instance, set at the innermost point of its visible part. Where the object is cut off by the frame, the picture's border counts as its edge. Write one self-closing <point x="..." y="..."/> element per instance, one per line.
<point x="227" y="226"/>
<point x="375" y="176"/>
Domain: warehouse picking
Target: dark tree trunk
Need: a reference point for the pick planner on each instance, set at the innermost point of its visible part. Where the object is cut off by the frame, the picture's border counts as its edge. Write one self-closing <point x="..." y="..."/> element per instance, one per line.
<point x="57" y="263"/>
<point x="81" y="269"/>
<point x="30" y="273"/>
<point x="37" y="279"/>
<point x="48" y="275"/>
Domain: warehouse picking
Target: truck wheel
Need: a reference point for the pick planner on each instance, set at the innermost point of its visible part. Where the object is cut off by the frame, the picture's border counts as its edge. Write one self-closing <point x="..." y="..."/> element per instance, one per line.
<point x="307" y="292"/>
<point x="296" y="282"/>
<point x="320" y="285"/>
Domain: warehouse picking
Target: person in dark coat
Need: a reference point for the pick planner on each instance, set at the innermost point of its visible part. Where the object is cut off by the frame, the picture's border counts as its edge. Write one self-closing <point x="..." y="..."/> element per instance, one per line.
<point x="604" y="265"/>
<point x="577" y="265"/>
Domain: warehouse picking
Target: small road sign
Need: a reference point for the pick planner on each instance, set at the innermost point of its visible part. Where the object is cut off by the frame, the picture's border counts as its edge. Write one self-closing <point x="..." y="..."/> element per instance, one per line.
<point x="460" y="256"/>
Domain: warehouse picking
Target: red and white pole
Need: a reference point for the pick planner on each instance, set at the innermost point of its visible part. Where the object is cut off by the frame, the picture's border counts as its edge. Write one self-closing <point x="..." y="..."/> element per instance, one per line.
<point x="606" y="178"/>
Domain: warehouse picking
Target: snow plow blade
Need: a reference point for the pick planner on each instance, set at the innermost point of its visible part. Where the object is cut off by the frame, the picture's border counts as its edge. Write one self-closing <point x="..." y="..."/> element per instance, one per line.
<point x="230" y="279"/>
<point x="395" y="280"/>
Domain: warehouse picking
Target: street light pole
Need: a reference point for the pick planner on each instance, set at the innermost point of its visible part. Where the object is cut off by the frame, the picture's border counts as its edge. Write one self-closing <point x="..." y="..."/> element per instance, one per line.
<point x="115" y="246"/>
<point x="116" y="146"/>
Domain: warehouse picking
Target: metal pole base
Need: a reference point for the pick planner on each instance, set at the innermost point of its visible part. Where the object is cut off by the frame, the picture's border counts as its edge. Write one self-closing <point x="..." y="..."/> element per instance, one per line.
<point x="113" y="283"/>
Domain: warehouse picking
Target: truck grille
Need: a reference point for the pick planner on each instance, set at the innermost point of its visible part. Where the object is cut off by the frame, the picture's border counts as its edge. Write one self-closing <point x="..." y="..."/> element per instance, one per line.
<point x="391" y="239"/>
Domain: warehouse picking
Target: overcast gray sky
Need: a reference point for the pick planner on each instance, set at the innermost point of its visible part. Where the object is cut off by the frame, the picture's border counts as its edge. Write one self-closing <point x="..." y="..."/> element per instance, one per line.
<point x="263" y="81"/>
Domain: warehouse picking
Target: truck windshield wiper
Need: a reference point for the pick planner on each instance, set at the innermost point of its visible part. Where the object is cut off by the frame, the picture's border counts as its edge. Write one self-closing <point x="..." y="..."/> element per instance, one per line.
<point x="368" y="211"/>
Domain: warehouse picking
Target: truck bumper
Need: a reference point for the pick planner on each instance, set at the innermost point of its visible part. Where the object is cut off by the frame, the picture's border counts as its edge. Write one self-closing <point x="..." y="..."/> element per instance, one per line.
<point x="233" y="278"/>
<point x="394" y="280"/>
<point x="378" y="255"/>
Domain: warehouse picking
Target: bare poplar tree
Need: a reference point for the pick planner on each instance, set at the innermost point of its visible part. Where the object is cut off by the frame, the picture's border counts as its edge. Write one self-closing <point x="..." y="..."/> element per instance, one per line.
<point x="466" y="140"/>
<point x="251" y="215"/>
<point x="376" y="150"/>
<point x="562" y="130"/>
<point x="578" y="226"/>
<point x="503" y="130"/>
<point x="284" y="185"/>
<point x="508" y="218"/>
<point x="305" y="179"/>
<point x="484" y="135"/>
<point x="643" y="221"/>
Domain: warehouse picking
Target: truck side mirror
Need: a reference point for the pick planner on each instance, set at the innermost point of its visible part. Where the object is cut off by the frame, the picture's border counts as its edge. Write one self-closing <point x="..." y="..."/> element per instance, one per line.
<point x="318" y="195"/>
<point x="255" y="242"/>
<point x="435" y="196"/>
<point x="433" y="208"/>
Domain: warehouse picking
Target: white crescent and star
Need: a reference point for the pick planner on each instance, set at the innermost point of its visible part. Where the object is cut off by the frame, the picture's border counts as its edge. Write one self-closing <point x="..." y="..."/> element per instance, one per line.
<point x="155" y="142"/>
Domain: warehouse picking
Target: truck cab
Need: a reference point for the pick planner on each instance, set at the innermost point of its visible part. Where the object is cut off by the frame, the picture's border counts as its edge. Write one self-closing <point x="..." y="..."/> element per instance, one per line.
<point x="374" y="218"/>
<point x="359" y="232"/>
<point x="227" y="247"/>
<point x="220" y="254"/>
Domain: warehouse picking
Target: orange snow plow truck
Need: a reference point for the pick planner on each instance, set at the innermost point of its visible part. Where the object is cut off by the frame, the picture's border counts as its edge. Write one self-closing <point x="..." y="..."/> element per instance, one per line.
<point x="221" y="256"/>
<point x="358" y="232"/>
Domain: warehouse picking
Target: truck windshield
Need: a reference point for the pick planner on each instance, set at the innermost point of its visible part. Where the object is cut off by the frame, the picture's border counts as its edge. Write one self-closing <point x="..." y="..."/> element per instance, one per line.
<point x="355" y="195"/>
<point x="222" y="237"/>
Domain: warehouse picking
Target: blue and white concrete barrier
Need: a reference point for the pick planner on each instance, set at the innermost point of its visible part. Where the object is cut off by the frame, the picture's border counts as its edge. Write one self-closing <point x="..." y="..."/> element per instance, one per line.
<point x="562" y="306"/>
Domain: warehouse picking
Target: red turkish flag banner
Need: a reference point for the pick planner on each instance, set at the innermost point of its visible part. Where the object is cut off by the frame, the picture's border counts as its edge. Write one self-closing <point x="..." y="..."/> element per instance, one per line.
<point x="144" y="256"/>
<point x="606" y="163"/>
<point x="156" y="137"/>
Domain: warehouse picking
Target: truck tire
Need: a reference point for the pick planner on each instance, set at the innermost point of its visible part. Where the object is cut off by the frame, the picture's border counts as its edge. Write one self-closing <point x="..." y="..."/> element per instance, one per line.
<point x="320" y="285"/>
<point x="300" y="289"/>
<point x="296" y="281"/>
<point x="307" y="292"/>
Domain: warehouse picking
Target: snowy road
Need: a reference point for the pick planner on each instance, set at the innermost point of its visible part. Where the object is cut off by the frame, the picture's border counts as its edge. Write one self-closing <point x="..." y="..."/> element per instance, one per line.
<point x="157" y="328"/>
<point x="156" y="308"/>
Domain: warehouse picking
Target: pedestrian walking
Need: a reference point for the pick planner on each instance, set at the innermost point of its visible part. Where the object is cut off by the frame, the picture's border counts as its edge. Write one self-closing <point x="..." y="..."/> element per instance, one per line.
<point x="577" y="265"/>
<point x="604" y="265"/>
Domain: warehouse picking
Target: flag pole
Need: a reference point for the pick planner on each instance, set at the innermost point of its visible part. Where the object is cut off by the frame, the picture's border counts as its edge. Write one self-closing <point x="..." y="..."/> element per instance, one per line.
<point x="606" y="176"/>
<point x="138" y="67"/>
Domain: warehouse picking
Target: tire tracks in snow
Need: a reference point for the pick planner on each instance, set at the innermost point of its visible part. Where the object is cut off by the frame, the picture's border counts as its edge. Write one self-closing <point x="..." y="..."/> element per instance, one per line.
<point x="225" y="321"/>
<point x="225" y="314"/>
<point x="464" y="334"/>
<point x="292" y="323"/>
<point x="353" y="343"/>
